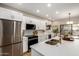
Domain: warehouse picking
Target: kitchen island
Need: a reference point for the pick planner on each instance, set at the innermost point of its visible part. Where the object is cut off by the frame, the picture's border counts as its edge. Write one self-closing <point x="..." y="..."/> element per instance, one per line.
<point x="66" y="48"/>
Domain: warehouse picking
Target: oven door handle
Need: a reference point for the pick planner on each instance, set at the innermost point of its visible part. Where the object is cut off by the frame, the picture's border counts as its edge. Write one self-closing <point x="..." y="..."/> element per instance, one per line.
<point x="33" y="39"/>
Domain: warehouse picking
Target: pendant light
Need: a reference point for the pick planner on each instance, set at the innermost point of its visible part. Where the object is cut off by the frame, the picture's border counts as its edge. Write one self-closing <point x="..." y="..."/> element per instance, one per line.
<point x="69" y="22"/>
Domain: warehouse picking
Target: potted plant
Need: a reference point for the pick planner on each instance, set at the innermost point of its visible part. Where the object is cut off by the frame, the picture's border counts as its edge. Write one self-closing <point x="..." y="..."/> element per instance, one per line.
<point x="55" y="31"/>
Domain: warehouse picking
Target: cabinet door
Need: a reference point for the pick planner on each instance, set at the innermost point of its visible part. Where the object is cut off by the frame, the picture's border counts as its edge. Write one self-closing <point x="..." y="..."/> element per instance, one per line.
<point x="25" y="44"/>
<point x="17" y="32"/>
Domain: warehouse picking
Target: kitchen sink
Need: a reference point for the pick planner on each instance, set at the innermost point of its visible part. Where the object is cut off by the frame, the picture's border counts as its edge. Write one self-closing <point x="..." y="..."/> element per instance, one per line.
<point x="52" y="42"/>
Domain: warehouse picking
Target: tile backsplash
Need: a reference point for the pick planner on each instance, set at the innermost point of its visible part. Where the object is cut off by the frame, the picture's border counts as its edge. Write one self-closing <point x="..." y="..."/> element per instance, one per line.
<point x="28" y="32"/>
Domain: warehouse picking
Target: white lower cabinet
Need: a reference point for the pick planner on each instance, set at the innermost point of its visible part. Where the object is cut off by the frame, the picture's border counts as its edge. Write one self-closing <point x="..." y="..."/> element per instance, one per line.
<point x="35" y="53"/>
<point x="25" y="44"/>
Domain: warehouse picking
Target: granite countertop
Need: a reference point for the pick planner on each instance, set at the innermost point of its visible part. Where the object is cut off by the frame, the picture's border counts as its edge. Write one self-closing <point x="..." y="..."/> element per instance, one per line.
<point x="67" y="48"/>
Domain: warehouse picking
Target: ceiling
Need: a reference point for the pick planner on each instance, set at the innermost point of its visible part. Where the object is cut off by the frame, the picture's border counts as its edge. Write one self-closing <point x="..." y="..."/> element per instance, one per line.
<point x="53" y="11"/>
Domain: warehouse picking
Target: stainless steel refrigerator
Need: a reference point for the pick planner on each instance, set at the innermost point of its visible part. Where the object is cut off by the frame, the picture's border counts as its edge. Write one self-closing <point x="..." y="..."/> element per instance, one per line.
<point x="10" y="38"/>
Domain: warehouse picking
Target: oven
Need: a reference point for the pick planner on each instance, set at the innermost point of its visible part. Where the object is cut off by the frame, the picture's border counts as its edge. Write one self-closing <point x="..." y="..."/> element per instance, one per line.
<point x="32" y="40"/>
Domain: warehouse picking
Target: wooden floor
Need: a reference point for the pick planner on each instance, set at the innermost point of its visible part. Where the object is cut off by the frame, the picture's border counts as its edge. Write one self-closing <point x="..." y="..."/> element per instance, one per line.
<point x="27" y="53"/>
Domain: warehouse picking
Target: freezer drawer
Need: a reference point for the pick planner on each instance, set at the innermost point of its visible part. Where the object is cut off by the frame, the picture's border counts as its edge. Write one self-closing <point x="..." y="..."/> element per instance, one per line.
<point x="17" y="49"/>
<point x="6" y="50"/>
<point x="12" y="50"/>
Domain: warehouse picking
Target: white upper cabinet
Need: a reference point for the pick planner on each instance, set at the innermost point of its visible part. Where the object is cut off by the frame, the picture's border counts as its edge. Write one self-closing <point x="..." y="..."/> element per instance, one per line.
<point x="10" y="14"/>
<point x="28" y="20"/>
<point x="48" y="22"/>
<point x="5" y="13"/>
<point x="16" y="16"/>
<point x="40" y="25"/>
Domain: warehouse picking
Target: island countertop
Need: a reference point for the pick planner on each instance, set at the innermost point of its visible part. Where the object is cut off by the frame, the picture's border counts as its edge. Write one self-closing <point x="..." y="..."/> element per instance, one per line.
<point x="66" y="48"/>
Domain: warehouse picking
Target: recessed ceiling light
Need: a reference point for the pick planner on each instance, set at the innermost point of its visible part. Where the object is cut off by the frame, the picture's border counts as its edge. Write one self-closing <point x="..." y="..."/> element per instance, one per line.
<point x="47" y="15"/>
<point x="57" y="12"/>
<point x="49" y="5"/>
<point x="37" y="11"/>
